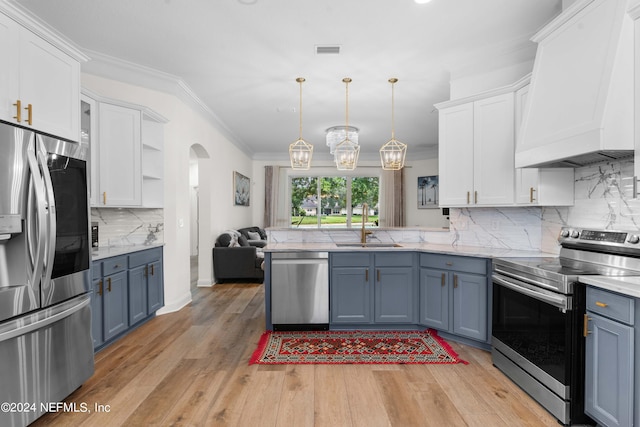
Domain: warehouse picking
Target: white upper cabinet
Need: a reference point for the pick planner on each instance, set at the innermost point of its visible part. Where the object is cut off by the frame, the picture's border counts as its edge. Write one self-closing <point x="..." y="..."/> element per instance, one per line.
<point x="476" y="144"/>
<point x="635" y="14"/>
<point x="540" y="187"/>
<point x="581" y="100"/>
<point x="120" y="154"/>
<point x="127" y="152"/>
<point x="39" y="83"/>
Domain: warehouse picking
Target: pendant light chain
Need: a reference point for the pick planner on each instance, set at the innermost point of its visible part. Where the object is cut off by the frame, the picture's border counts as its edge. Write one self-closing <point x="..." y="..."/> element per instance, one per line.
<point x="300" y="80"/>
<point x="393" y="108"/>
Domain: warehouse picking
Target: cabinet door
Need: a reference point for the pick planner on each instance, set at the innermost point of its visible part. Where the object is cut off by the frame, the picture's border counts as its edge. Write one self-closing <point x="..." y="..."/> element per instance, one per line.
<point x="9" y="70"/>
<point x="434" y="298"/>
<point x="96" y="312"/>
<point x="120" y="156"/>
<point x="493" y="151"/>
<point x="609" y="373"/>
<point x="456" y="155"/>
<point x="155" y="289"/>
<point x="351" y="295"/>
<point x="395" y="295"/>
<point x="50" y="82"/>
<point x="116" y="308"/>
<point x="470" y="305"/>
<point x="137" y="294"/>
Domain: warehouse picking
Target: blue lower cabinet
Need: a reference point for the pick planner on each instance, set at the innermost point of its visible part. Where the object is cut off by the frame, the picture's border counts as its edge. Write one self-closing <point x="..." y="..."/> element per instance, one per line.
<point x="115" y="309"/>
<point x="609" y="358"/>
<point x="127" y="290"/>
<point x="373" y="288"/>
<point x="454" y="295"/>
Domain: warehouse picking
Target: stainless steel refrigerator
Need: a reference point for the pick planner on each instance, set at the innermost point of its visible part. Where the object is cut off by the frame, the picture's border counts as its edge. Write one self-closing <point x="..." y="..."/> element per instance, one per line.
<point x="46" y="349"/>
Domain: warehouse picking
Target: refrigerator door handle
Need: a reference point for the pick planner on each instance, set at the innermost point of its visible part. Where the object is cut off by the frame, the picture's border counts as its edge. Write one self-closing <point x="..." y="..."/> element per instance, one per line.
<point x="50" y="232"/>
<point x="35" y="226"/>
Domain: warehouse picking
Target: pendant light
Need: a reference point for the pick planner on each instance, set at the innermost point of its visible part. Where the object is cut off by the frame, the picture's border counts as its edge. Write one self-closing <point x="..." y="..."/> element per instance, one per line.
<point x="346" y="152"/>
<point x="392" y="153"/>
<point x="300" y="152"/>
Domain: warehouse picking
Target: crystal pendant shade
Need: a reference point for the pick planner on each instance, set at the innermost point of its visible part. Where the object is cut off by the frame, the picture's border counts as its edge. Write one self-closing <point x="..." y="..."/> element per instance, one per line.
<point x="337" y="134"/>
<point x="300" y="151"/>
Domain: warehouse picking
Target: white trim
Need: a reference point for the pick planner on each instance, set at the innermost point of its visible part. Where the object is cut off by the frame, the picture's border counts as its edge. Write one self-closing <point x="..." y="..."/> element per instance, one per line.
<point x="128" y="72"/>
<point x="177" y="305"/>
<point x="40" y="28"/>
<point x="205" y="284"/>
<point x="483" y="95"/>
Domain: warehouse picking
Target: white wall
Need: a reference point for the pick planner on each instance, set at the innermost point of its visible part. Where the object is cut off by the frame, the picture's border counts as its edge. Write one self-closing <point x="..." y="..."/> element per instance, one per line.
<point x="186" y="127"/>
<point x="421" y="217"/>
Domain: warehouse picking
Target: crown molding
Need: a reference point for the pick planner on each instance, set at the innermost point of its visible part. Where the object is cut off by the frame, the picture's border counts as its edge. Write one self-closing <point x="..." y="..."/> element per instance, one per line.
<point x="128" y="72"/>
<point x="22" y="16"/>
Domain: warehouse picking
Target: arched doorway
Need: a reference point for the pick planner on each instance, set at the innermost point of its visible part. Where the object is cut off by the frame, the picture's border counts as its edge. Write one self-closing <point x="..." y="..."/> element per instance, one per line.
<point x="201" y="265"/>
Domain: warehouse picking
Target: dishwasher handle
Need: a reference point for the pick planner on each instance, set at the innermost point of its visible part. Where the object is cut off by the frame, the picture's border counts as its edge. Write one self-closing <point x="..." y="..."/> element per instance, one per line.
<point x="299" y="255"/>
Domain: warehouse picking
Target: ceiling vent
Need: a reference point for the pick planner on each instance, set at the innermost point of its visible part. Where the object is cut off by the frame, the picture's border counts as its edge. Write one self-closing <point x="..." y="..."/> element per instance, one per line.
<point x="327" y="50"/>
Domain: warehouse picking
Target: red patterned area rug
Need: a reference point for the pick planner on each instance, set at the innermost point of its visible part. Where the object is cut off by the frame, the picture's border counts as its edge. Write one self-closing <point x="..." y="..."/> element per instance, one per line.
<point x="355" y="347"/>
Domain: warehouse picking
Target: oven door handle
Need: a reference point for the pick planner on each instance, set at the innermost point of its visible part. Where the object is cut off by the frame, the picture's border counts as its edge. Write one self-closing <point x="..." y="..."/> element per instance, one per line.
<point x="555" y="300"/>
<point x="525" y="279"/>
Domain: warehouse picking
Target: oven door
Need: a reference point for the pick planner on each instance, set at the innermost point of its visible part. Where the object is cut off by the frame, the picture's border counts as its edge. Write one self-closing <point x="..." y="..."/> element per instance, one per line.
<point x="536" y="342"/>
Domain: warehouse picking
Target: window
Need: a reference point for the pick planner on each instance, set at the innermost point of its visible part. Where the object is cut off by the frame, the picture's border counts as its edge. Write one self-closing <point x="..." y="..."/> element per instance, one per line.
<point x="334" y="201"/>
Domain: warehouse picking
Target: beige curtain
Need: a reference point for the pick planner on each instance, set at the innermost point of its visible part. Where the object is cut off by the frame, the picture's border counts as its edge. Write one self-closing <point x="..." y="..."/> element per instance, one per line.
<point x="393" y="199"/>
<point x="271" y="186"/>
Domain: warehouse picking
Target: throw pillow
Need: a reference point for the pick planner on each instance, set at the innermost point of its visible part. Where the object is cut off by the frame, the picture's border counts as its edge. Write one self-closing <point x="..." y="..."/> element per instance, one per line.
<point x="224" y="240"/>
<point x="254" y="235"/>
<point x="242" y="241"/>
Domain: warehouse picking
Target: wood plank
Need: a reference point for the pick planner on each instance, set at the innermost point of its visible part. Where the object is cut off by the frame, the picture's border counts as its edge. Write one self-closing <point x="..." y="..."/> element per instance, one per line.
<point x="190" y="368"/>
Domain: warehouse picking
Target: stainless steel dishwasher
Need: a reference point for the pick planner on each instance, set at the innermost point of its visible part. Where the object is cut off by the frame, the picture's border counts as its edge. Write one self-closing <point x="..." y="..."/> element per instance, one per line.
<point x="300" y="290"/>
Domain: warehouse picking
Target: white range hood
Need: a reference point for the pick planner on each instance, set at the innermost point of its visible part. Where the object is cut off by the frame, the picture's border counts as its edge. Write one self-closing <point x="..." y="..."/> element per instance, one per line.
<point x="580" y="105"/>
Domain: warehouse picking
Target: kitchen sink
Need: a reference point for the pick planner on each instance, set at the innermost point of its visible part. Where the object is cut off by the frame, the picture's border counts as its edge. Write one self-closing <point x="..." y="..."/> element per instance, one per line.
<point x="368" y="245"/>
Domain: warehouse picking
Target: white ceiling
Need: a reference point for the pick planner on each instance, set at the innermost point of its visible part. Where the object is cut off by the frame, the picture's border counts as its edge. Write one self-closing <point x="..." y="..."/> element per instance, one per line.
<point x="241" y="58"/>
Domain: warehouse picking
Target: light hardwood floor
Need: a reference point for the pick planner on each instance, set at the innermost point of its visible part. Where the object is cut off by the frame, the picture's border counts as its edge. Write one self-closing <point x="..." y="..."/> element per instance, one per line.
<point x="190" y="368"/>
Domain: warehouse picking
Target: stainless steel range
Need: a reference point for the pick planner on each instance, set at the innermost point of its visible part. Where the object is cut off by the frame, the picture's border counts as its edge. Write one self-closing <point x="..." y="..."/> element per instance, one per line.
<point x="538" y="311"/>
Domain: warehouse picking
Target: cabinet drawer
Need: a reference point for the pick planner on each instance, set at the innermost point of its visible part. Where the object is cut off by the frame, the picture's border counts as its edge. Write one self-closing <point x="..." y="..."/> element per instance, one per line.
<point x="452" y="262"/>
<point x="145" y="257"/>
<point x="396" y="259"/>
<point x="114" y="265"/>
<point x="350" y="259"/>
<point x="614" y="306"/>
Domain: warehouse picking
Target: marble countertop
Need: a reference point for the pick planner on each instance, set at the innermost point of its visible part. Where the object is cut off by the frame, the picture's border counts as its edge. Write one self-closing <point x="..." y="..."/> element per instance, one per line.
<point x="474" y="251"/>
<point x="627" y="285"/>
<point x="110" y="251"/>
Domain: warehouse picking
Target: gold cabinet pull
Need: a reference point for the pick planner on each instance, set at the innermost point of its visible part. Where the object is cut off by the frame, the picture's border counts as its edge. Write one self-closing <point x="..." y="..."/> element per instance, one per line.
<point x="455" y="281"/>
<point x="468" y="197"/>
<point x="449" y="263"/>
<point x="585" y="325"/>
<point x="443" y="279"/>
<point x="378" y="275"/>
<point x="366" y="275"/>
<point x="100" y="288"/>
<point x="109" y="285"/>
<point x="18" y="115"/>
<point x="475" y="197"/>
<point x="104" y="197"/>
<point x="601" y="304"/>
<point x="146" y="270"/>
<point x="152" y="270"/>
<point x="531" y="191"/>
<point x="29" y="114"/>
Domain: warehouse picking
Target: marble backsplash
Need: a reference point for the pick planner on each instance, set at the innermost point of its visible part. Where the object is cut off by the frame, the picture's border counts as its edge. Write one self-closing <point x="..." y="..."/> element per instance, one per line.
<point x="125" y="227"/>
<point x="603" y="200"/>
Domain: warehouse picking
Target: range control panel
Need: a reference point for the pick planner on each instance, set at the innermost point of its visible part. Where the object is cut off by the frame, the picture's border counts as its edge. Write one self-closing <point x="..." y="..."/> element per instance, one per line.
<point x="613" y="238"/>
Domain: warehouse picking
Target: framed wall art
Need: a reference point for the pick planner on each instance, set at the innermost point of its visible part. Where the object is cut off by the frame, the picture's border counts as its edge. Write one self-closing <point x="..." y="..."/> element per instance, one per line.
<point x="428" y="192"/>
<point x="241" y="189"/>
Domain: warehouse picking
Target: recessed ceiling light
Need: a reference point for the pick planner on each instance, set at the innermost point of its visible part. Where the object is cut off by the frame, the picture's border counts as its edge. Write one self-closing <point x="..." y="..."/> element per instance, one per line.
<point x="422" y="1"/>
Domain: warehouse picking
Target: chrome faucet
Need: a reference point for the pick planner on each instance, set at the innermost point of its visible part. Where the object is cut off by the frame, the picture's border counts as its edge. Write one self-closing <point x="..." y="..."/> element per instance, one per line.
<point x="365" y="217"/>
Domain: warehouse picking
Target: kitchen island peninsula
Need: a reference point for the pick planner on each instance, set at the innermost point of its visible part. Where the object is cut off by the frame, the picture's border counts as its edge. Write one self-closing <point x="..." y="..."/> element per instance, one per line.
<point x="390" y="285"/>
